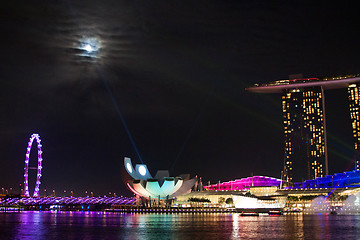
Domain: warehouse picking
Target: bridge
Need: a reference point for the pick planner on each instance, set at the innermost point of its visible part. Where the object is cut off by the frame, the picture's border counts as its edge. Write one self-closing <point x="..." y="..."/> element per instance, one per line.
<point x="76" y="203"/>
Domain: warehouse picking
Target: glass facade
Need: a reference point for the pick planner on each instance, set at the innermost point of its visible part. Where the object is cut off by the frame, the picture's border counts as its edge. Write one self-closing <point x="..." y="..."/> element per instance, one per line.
<point x="353" y="91"/>
<point x="305" y="122"/>
<point x="304" y="134"/>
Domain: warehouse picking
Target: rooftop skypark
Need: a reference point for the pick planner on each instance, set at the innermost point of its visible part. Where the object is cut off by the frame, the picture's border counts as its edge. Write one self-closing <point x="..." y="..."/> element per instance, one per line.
<point x="293" y="83"/>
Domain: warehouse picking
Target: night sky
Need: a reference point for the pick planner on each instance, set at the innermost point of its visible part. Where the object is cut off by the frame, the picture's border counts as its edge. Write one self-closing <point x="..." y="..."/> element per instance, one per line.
<point x="176" y="73"/>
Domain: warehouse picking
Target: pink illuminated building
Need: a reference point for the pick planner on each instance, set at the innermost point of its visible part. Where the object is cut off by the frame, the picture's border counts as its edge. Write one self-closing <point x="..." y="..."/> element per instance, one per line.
<point x="245" y="183"/>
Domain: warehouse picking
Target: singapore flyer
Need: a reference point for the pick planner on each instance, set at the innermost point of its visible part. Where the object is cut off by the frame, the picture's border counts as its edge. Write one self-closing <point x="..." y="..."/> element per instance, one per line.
<point x="39" y="166"/>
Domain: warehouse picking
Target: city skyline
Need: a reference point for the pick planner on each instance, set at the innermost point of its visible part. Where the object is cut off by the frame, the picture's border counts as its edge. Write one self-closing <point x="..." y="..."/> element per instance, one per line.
<point x="305" y="135"/>
<point x="163" y="83"/>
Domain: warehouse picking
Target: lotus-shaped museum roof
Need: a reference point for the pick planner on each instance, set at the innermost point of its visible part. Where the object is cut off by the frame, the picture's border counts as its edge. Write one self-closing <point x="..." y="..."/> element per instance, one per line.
<point x="162" y="186"/>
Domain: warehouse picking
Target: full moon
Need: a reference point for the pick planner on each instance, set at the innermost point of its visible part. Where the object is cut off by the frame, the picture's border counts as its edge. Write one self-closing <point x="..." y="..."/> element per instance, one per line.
<point x="89" y="47"/>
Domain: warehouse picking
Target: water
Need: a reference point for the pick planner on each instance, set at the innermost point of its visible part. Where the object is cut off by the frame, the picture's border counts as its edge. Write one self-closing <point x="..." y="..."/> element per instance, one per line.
<point x="100" y="225"/>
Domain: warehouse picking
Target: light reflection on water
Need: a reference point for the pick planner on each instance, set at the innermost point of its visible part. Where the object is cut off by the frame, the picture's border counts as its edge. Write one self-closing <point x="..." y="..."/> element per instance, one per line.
<point x="103" y="225"/>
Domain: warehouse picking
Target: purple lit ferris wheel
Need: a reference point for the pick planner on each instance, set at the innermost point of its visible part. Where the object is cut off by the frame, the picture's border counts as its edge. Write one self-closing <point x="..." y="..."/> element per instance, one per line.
<point x="39" y="167"/>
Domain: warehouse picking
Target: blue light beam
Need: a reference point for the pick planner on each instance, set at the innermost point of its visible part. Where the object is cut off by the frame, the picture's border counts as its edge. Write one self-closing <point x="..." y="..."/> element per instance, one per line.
<point x="121" y="116"/>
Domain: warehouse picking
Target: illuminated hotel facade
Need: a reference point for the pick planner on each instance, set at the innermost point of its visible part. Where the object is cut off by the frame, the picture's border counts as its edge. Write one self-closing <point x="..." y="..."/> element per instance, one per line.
<point x="303" y="107"/>
<point x="304" y="133"/>
<point x="354" y="91"/>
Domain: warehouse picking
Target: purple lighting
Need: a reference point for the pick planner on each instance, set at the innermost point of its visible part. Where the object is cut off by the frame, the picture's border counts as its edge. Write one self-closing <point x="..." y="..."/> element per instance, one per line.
<point x="245" y="183"/>
<point x="33" y="201"/>
<point x="39" y="167"/>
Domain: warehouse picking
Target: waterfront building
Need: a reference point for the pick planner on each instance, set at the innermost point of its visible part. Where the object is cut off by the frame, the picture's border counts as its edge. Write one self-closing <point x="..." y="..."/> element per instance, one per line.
<point x="304" y="133"/>
<point x="244" y="201"/>
<point x="244" y="184"/>
<point x="354" y="92"/>
<point x="161" y="187"/>
<point x="251" y="194"/>
<point x="303" y="107"/>
<point x="349" y="180"/>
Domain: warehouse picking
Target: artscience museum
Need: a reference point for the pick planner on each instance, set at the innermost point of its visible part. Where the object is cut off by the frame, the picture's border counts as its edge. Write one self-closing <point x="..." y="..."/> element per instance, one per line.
<point x="162" y="186"/>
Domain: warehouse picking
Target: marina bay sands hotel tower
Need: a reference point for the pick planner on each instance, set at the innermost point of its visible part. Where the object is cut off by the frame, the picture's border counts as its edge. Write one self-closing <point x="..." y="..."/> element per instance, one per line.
<point x="303" y="107"/>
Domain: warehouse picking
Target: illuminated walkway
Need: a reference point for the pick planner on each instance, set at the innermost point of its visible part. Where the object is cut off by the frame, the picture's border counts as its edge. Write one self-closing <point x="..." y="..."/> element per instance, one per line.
<point x="34" y="201"/>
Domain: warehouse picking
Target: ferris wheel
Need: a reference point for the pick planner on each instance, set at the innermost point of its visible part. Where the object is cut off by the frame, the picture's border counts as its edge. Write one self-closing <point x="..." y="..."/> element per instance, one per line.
<point x="38" y="168"/>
